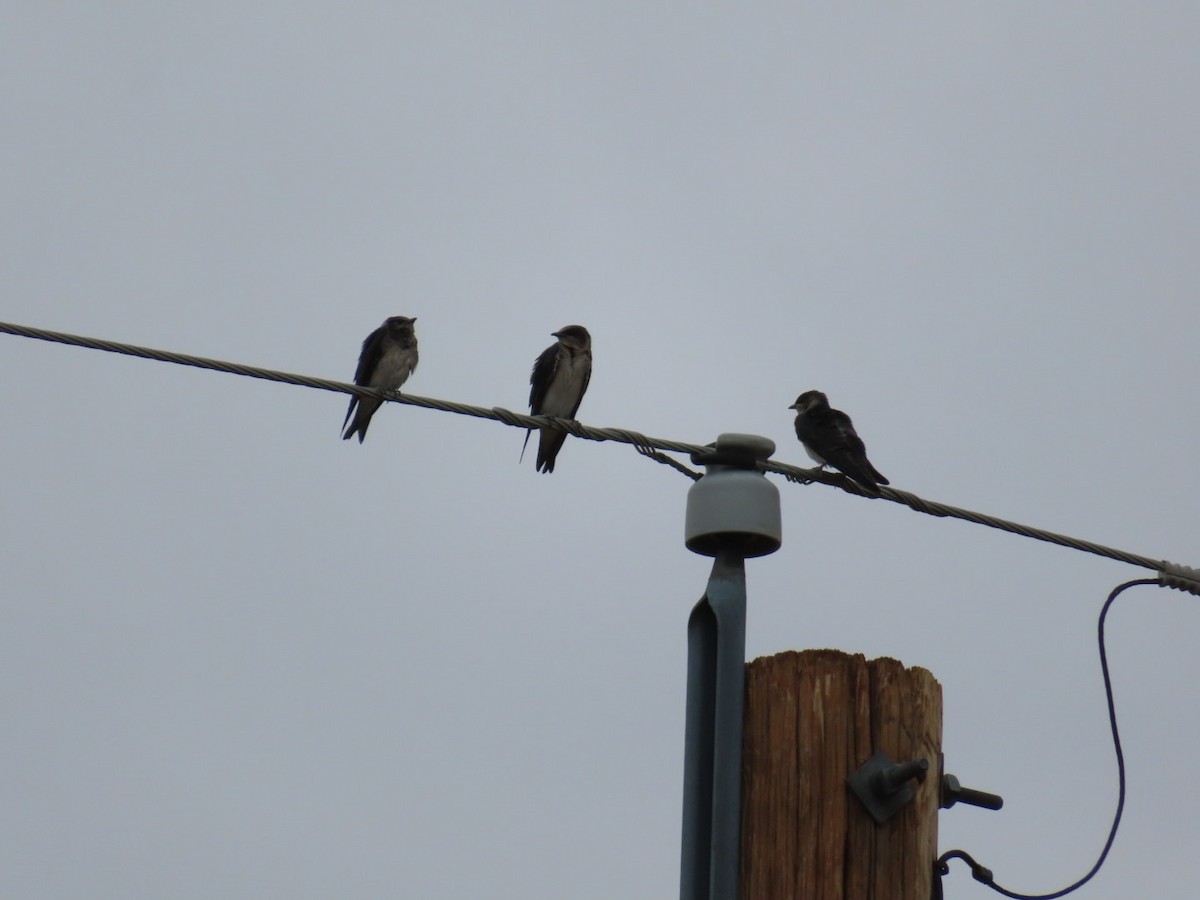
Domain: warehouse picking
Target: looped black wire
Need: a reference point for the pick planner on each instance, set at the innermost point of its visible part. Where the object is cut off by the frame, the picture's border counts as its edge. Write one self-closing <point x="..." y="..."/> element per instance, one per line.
<point x="978" y="872"/>
<point x="982" y="873"/>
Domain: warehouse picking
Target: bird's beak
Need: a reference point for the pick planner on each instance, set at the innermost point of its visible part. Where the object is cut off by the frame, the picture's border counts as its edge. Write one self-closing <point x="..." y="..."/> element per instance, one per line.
<point x="794" y="406"/>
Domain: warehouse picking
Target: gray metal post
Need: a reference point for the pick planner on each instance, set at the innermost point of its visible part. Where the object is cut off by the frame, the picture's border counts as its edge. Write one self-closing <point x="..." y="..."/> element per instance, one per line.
<point x="732" y="514"/>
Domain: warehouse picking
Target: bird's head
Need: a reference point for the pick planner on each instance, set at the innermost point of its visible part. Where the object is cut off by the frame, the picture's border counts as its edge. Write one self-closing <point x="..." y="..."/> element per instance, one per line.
<point x="574" y="336"/>
<point x="400" y="325"/>
<point x="810" y="400"/>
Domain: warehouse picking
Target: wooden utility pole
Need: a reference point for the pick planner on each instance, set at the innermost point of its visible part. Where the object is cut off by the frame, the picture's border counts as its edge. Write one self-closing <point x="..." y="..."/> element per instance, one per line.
<point x="811" y="720"/>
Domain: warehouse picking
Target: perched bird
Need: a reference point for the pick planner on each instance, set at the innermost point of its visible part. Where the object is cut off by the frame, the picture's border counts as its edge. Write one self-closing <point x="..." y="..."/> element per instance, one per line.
<point x="389" y="356"/>
<point x="560" y="377"/>
<point x="829" y="437"/>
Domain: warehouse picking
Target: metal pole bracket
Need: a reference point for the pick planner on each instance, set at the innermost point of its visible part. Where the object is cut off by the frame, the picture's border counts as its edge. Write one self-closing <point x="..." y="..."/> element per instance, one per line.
<point x="883" y="786"/>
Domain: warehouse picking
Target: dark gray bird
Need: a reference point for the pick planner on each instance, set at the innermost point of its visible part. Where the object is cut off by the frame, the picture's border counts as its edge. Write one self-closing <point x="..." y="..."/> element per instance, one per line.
<point x="829" y="437"/>
<point x="559" y="379"/>
<point x="389" y="356"/>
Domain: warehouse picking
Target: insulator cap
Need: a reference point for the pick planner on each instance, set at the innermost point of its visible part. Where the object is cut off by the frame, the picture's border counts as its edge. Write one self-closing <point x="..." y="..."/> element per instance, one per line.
<point x="734" y="507"/>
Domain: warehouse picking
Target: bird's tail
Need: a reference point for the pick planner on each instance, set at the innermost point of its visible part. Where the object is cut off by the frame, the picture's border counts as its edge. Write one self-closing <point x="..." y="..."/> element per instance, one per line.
<point x="528" y="431"/>
<point x="350" y="411"/>
<point x="868" y="479"/>
<point x="362" y="418"/>
<point x="548" y="447"/>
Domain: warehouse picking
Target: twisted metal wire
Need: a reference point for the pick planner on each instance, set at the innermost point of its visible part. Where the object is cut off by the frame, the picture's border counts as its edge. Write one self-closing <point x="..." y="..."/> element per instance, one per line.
<point x="647" y="446"/>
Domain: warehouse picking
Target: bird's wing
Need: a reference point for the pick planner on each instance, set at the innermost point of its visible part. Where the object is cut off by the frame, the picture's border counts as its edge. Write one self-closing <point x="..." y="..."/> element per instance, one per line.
<point x="368" y="359"/>
<point x="541" y="378"/>
<point x="848" y="453"/>
<point x="842" y="433"/>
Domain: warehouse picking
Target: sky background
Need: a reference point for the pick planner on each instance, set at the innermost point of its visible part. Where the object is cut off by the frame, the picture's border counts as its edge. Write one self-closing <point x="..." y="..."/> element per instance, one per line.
<point x="242" y="658"/>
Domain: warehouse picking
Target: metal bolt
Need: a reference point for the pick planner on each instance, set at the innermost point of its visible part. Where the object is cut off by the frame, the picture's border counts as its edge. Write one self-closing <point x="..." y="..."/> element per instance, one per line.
<point x="953" y="792"/>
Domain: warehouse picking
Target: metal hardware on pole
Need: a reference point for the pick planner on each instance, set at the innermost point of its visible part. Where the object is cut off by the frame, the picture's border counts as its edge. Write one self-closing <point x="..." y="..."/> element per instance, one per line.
<point x="732" y="514"/>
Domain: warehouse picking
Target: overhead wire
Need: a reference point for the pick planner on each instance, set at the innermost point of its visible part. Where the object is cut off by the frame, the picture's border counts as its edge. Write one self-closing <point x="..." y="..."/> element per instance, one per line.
<point x="651" y="447"/>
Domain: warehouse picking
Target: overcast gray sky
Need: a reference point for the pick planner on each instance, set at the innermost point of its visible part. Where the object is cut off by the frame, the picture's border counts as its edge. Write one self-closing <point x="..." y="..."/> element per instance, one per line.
<point x="242" y="658"/>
